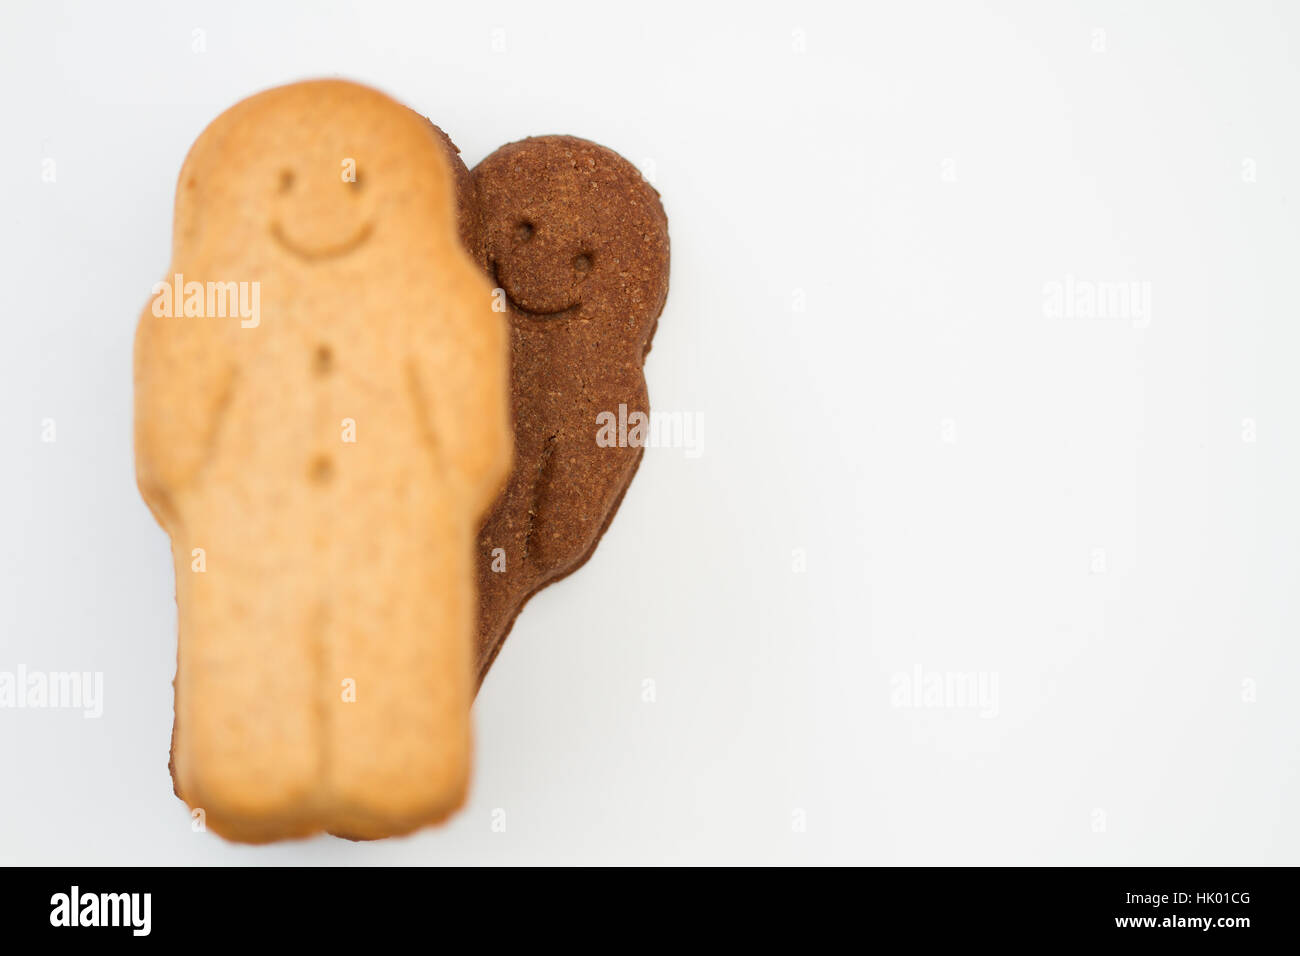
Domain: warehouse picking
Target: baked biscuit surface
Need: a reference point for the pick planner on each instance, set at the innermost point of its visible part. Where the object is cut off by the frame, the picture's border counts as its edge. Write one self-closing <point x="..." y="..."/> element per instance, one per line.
<point x="322" y="469"/>
<point x="577" y="242"/>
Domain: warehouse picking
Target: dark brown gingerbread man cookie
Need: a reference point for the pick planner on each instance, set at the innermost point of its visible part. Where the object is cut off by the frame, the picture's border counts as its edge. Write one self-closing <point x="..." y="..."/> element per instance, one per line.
<point x="577" y="242"/>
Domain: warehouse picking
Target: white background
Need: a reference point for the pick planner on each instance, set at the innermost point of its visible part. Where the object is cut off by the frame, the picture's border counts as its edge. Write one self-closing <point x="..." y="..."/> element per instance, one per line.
<point x="867" y="203"/>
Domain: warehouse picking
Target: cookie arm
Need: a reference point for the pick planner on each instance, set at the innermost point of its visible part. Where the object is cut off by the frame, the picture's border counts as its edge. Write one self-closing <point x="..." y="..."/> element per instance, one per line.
<point x="582" y="476"/>
<point x="462" y="381"/>
<point x="183" y="382"/>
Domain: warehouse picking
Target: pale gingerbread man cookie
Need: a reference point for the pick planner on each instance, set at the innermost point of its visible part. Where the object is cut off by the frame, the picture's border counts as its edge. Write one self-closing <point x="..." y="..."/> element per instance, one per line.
<point x="322" y="457"/>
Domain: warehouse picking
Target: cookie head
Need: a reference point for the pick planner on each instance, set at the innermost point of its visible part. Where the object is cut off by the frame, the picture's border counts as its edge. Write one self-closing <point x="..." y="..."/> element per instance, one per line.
<point x="317" y="172"/>
<point x="573" y="231"/>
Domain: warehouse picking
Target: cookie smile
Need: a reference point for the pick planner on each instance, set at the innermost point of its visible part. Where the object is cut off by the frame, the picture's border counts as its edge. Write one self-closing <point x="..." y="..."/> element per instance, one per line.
<point x="316" y="253"/>
<point x="535" y="313"/>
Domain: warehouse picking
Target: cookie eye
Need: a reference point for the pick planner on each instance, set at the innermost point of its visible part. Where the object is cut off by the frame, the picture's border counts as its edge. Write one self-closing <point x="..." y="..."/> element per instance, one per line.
<point x="582" y="262"/>
<point x="286" y="180"/>
<point x="524" y="231"/>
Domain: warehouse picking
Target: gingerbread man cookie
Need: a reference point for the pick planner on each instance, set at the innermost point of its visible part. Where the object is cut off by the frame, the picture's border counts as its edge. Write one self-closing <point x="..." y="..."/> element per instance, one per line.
<point x="322" y="467"/>
<point x="576" y="242"/>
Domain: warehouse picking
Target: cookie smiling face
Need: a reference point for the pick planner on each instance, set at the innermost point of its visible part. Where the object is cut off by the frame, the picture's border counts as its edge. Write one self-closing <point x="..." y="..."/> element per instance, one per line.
<point x="572" y="230"/>
<point x="542" y="262"/>
<point x="319" y="212"/>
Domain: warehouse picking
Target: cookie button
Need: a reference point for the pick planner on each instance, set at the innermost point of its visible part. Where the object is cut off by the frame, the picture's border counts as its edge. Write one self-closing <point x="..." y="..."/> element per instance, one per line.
<point x="322" y="361"/>
<point x="321" y="470"/>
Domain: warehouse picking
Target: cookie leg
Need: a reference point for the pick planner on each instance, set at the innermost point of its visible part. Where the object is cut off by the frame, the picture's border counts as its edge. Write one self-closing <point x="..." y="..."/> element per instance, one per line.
<point x="248" y="747"/>
<point x="401" y="669"/>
